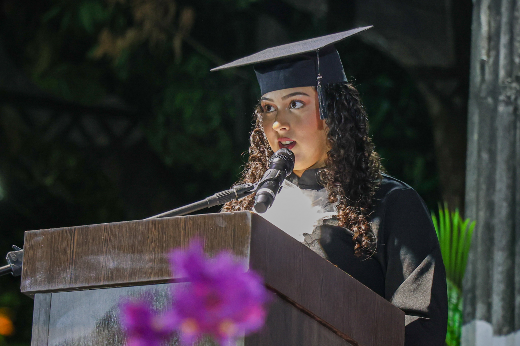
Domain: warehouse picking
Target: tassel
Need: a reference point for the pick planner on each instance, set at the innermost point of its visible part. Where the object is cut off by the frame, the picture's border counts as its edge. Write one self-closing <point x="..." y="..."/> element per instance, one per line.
<point x="319" y="88"/>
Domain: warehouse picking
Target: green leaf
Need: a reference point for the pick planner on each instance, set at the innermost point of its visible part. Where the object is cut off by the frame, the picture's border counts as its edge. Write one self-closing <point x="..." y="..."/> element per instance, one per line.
<point x="454" y="315"/>
<point x="454" y="247"/>
<point x="454" y="235"/>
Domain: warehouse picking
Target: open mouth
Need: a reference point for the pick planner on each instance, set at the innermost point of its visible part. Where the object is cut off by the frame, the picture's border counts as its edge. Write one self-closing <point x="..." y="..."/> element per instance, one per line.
<point x="289" y="144"/>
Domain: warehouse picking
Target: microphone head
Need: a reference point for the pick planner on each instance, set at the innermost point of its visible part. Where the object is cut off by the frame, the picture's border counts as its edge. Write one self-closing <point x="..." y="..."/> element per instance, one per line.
<point x="262" y="203"/>
<point x="283" y="159"/>
<point x="280" y="165"/>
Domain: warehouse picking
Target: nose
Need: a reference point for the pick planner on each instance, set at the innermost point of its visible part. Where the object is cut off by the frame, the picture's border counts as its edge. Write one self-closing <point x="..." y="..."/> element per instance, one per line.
<point x="281" y="122"/>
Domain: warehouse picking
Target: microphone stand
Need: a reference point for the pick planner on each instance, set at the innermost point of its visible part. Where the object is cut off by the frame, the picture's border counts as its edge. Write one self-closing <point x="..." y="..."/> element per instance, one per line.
<point x="15" y="258"/>
<point x="222" y="197"/>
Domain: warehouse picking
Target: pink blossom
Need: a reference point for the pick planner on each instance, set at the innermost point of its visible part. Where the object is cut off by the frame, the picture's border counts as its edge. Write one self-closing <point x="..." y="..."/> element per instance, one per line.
<point x="221" y="298"/>
<point x="143" y="326"/>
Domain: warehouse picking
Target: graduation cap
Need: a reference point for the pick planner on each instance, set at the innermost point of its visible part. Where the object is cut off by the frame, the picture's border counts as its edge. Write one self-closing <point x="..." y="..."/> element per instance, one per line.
<point x="312" y="62"/>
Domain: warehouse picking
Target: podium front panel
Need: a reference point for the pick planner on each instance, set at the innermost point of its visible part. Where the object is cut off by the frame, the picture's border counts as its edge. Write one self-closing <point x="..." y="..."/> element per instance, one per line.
<point x="91" y="318"/>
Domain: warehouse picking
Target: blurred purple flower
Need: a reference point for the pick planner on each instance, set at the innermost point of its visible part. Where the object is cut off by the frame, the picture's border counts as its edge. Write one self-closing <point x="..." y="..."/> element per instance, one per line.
<point x="221" y="298"/>
<point x="143" y="327"/>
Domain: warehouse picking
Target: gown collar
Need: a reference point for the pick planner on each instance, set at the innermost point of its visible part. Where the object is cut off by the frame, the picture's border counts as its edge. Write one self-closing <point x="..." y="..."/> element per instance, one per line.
<point x="309" y="180"/>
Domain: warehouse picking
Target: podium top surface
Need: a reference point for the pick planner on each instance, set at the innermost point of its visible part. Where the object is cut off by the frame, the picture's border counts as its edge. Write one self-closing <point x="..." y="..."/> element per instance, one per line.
<point x="124" y="253"/>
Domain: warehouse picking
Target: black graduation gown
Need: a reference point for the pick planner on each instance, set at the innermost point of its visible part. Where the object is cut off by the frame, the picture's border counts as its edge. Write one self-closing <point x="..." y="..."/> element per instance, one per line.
<point x="407" y="267"/>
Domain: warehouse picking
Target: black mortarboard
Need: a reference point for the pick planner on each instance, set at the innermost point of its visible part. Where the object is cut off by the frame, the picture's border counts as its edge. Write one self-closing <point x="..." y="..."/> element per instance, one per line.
<point x="313" y="62"/>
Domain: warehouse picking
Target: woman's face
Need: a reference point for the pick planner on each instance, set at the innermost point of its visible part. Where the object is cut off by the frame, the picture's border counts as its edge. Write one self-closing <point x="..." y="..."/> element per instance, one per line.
<point x="291" y="120"/>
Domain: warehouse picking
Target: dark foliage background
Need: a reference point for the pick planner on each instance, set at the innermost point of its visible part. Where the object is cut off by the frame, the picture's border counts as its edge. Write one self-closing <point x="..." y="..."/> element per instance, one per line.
<point x="108" y="111"/>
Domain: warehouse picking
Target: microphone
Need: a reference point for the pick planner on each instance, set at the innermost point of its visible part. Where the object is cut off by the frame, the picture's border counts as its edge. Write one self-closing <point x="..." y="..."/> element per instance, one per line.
<point x="280" y="165"/>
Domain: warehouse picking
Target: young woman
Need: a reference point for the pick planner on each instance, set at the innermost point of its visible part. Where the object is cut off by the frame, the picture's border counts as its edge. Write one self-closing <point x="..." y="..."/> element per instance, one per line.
<point x="369" y="224"/>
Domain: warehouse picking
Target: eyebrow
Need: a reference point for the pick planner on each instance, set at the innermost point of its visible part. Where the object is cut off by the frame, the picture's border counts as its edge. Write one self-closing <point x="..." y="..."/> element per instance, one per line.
<point x="286" y="96"/>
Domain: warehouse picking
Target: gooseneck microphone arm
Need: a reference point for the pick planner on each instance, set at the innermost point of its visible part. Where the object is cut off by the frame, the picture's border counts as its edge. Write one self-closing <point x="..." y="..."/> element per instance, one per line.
<point x="222" y="197"/>
<point x="15" y="258"/>
<point x="5" y="270"/>
<point x="281" y="164"/>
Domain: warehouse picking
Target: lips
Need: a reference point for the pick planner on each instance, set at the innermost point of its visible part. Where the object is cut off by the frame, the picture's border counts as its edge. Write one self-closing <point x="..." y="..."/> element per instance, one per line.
<point x="286" y="143"/>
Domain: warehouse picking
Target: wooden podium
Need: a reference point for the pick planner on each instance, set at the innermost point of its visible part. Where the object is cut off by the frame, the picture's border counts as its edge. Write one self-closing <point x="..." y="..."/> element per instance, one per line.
<point x="78" y="276"/>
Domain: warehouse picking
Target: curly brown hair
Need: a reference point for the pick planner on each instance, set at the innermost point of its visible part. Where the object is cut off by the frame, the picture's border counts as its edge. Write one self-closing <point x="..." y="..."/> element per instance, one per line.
<point x="352" y="171"/>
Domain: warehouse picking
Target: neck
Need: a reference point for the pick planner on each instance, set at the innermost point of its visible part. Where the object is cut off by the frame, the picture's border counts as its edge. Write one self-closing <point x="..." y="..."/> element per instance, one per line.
<point x="299" y="172"/>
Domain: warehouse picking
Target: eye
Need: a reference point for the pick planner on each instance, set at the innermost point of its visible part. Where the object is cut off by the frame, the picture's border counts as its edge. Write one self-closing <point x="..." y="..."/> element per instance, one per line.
<point x="267" y="108"/>
<point x="296" y="104"/>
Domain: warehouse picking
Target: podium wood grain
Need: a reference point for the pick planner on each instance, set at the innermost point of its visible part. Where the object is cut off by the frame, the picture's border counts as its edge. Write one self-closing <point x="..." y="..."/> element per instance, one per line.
<point x="124" y="253"/>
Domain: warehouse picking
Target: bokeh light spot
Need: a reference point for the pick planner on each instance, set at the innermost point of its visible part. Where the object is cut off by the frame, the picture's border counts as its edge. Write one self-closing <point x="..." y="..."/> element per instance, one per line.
<point x="6" y="325"/>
